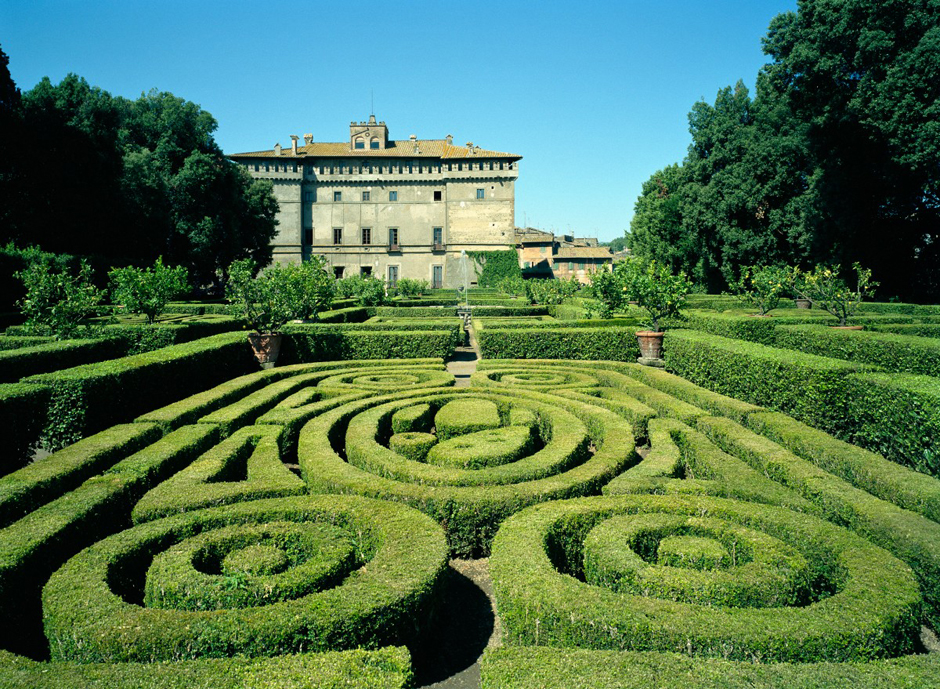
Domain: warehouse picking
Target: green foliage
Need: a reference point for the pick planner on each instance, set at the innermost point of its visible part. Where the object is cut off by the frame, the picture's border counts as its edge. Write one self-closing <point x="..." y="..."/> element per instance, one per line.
<point x="58" y="300"/>
<point x="50" y="356"/>
<point x="312" y="287"/>
<point x="761" y="287"/>
<point x="550" y="292"/>
<point x="303" y="344"/>
<point x="538" y="667"/>
<point x="494" y="266"/>
<point x="268" y="301"/>
<point x="367" y="291"/>
<point x="23" y="409"/>
<point x="147" y="290"/>
<point x="653" y="286"/>
<point x="513" y="285"/>
<point x="828" y="291"/>
<point x="590" y="343"/>
<point x="407" y="287"/>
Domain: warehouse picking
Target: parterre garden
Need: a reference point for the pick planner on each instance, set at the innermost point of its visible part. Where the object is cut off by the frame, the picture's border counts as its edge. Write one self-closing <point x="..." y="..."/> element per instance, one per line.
<point x="221" y="526"/>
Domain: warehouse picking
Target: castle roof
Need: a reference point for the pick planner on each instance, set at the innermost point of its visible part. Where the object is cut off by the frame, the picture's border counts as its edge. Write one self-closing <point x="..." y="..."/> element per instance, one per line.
<point x="421" y="148"/>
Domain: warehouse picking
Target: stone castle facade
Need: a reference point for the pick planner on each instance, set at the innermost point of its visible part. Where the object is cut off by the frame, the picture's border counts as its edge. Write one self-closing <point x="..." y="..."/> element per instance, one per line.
<point x="388" y="208"/>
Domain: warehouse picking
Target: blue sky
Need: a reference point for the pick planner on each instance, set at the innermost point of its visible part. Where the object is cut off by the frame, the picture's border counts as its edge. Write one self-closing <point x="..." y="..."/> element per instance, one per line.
<point x="593" y="95"/>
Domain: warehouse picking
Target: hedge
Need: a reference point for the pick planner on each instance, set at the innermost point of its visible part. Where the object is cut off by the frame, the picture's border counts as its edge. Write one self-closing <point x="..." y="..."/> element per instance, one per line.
<point x="808" y="387"/>
<point x="34" y="546"/>
<point x="863" y="469"/>
<point x="569" y="668"/>
<point x="384" y="668"/>
<point x="110" y="392"/>
<point x="898" y="416"/>
<point x="896" y="353"/>
<point x="323" y="345"/>
<point x="452" y="325"/>
<point x="917" y="329"/>
<point x="745" y="327"/>
<point x="869" y="608"/>
<point x="615" y="344"/>
<point x="23" y="411"/>
<point x="245" y="466"/>
<point x="470" y="503"/>
<point x="16" y="341"/>
<point x="52" y="356"/>
<point x="909" y="536"/>
<point x="88" y="617"/>
<point x="548" y="322"/>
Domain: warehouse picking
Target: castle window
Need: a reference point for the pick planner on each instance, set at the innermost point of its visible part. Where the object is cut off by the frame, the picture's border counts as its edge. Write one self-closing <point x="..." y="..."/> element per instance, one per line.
<point x="366" y="235"/>
<point x="366" y="195"/>
<point x="337" y="235"/>
<point x="338" y="272"/>
<point x="360" y="143"/>
<point x="374" y="144"/>
<point x="438" y="195"/>
<point x="481" y="194"/>
<point x="365" y="271"/>
<point x="393" y="276"/>
<point x="393" y="196"/>
<point x="337" y="196"/>
<point x="438" y="233"/>
<point x="393" y="236"/>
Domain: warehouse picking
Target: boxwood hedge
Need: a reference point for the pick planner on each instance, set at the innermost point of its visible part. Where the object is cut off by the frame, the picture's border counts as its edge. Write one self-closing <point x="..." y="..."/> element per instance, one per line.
<point x="615" y="344"/>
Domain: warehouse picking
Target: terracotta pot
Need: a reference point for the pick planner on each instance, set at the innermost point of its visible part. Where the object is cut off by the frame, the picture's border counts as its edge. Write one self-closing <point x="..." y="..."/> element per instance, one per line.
<point x="651" y="344"/>
<point x="803" y="303"/>
<point x="847" y="327"/>
<point x="266" y="347"/>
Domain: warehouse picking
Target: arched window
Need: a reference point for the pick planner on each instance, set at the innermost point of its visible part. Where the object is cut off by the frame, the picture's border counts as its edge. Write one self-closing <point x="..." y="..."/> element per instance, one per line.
<point x="373" y="143"/>
<point x="360" y="142"/>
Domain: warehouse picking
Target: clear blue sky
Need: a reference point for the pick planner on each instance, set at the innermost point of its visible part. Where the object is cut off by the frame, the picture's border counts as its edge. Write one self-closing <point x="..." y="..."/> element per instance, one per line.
<point x="593" y="95"/>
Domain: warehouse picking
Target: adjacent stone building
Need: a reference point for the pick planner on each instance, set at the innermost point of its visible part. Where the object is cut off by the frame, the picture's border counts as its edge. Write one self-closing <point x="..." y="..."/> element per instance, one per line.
<point x="389" y="208"/>
<point x="545" y="255"/>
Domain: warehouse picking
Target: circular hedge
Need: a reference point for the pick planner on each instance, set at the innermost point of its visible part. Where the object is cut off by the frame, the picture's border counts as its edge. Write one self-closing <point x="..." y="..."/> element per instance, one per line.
<point x="702" y="576"/>
<point x="467" y="457"/>
<point x="258" y="578"/>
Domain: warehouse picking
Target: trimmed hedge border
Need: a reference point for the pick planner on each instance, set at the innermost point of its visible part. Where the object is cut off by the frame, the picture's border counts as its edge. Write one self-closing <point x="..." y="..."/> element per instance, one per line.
<point x="568" y="668"/>
<point x="384" y="668"/>
<point x="615" y="344"/>
<point x="88" y="620"/>
<point x="52" y="356"/>
<point x="303" y="346"/>
<point x="23" y="412"/>
<point x="541" y="605"/>
<point x="895" y="353"/>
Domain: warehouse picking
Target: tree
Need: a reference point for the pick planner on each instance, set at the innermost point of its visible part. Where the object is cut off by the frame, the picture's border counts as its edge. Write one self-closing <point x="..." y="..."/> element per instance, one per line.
<point x="147" y="290"/>
<point x="57" y="298"/>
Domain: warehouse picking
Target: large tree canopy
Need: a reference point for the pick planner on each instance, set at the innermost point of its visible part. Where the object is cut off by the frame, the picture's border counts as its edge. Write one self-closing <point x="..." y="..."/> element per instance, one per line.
<point x="128" y="180"/>
<point x="835" y="159"/>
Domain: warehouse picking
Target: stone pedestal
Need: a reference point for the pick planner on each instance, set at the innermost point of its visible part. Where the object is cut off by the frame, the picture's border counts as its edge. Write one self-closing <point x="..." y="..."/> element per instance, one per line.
<point x="649" y="361"/>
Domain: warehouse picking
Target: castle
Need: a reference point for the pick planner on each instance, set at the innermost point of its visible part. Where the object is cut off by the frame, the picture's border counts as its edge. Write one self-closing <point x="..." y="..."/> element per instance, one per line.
<point x="392" y="209"/>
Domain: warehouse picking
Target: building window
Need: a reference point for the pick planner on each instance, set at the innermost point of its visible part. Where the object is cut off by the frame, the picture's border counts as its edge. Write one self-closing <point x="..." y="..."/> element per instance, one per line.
<point x="393" y="196"/>
<point x="337" y="196"/>
<point x="365" y="271"/>
<point x="337" y="235"/>
<point x="360" y="143"/>
<point x="580" y="265"/>
<point x="366" y="195"/>
<point x="438" y="233"/>
<point x="308" y="236"/>
<point x="570" y="266"/>
<point x="481" y="194"/>
<point x="393" y="236"/>
<point x="392" y="276"/>
<point x="541" y="249"/>
<point x="374" y="144"/>
<point x="437" y="277"/>
<point x="366" y="235"/>
<point x="438" y="195"/>
<point x="338" y="272"/>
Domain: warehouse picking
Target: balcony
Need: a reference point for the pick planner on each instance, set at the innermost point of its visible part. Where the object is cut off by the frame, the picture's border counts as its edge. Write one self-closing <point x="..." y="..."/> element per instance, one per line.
<point x="437" y="246"/>
<point x="394" y="248"/>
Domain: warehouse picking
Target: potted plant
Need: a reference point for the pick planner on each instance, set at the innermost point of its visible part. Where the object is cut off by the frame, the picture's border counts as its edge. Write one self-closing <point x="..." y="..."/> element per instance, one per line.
<point x="761" y="287"/>
<point x="312" y="288"/>
<point x="147" y="291"/>
<point x="825" y="289"/>
<point x="657" y="291"/>
<point x="265" y="303"/>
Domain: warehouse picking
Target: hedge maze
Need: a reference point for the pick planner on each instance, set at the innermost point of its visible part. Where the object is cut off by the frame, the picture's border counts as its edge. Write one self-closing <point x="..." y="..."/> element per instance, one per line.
<point x="292" y="527"/>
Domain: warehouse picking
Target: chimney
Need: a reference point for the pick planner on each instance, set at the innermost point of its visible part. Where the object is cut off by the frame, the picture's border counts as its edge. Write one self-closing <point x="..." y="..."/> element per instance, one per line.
<point x="293" y="144"/>
<point x="308" y="139"/>
<point x="413" y="137"/>
<point x="470" y="147"/>
<point x="277" y="149"/>
<point x="449" y="139"/>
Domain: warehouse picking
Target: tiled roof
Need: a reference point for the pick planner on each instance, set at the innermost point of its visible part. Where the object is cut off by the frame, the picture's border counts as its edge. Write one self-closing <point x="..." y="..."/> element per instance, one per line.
<point x="583" y="252"/>
<point x="426" y="148"/>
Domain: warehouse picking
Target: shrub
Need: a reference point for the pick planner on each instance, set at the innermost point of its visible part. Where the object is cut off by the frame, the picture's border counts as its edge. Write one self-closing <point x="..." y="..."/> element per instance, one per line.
<point x="408" y="287"/>
<point x="828" y="291"/>
<point x="495" y="266"/>
<point x="147" y="290"/>
<point x="23" y="410"/>
<point x="324" y="345"/>
<point x="761" y="330"/>
<point x="57" y="300"/>
<point x="51" y="356"/>
<point x="367" y="291"/>
<point x="315" y="288"/>
<point x="539" y="552"/>
<point x="608" y="343"/>
<point x="268" y="301"/>
<point x="761" y="287"/>
<point x="86" y="618"/>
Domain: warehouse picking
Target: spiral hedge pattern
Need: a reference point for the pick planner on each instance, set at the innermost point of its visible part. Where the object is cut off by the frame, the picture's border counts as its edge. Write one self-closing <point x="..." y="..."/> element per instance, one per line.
<point x="299" y="520"/>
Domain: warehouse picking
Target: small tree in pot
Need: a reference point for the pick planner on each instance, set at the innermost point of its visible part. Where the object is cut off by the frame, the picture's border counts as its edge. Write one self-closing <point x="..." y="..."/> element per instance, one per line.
<point x="659" y="292"/>
<point x="761" y="287"/>
<point x="147" y="290"/>
<point x="825" y="289"/>
<point x="265" y="303"/>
